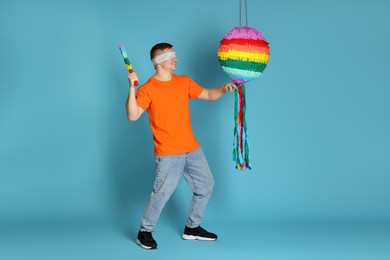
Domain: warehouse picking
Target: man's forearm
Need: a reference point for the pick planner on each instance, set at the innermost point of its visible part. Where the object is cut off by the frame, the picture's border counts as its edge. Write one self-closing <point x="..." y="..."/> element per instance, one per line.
<point x="216" y="93"/>
<point x="131" y="105"/>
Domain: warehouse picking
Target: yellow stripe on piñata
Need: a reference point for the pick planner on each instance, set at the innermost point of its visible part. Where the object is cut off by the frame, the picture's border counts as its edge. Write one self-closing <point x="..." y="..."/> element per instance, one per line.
<point x="129" y="67"/>
<point x="239" y="55"/>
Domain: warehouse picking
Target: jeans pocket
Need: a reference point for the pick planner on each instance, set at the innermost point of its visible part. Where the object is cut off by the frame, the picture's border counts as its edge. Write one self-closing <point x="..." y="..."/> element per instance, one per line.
<point x="157" y="159"/>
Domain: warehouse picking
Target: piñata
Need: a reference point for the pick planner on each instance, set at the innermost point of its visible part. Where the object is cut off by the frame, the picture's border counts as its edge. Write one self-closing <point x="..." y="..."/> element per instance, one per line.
<point x="243" y="54"/>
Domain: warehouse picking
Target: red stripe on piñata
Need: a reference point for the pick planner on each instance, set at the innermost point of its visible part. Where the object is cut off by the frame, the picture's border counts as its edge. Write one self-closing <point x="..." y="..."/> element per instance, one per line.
<point x="259" y="43"/>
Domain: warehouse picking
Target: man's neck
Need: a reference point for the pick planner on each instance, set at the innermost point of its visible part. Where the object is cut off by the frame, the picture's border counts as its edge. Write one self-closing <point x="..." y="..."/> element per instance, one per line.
<point x="163" y="75"/>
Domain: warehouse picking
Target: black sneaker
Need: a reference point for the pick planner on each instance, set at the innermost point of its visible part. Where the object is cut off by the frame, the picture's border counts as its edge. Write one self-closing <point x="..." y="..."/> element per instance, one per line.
<point x="145" y="240"/>
<point x="198" y="233"/>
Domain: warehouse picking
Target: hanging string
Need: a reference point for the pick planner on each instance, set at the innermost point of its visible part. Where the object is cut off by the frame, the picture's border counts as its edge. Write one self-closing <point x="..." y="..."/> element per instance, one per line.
<point x="246" y="12"/>
<point x="241" y="149"/>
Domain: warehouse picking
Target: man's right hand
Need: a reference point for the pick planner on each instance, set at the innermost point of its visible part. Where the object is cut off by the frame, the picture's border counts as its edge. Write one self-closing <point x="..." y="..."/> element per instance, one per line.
<point x="132" y="78"/>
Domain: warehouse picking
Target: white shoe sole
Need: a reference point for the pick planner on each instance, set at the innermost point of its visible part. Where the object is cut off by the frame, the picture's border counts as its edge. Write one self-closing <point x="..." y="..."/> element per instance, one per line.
<point x="190" y="237"/>
<point x="143" y="246"/>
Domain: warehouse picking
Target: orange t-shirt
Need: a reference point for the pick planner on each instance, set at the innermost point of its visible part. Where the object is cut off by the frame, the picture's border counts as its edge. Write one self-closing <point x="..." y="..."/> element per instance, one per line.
<point x="167" y="103"/>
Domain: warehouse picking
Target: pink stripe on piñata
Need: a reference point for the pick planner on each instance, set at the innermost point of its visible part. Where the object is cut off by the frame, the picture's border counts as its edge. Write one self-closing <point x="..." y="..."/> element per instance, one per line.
<point x="245" y="32"/>
<point x="238" y="81"/>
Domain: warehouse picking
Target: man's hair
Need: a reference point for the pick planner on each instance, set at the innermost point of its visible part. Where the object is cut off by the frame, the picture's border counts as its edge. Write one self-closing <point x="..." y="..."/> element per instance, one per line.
<point x="159" y="47"/>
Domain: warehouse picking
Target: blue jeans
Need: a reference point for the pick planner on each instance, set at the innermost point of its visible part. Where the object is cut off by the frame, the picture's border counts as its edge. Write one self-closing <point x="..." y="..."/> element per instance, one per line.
<point x="169" y="169"/>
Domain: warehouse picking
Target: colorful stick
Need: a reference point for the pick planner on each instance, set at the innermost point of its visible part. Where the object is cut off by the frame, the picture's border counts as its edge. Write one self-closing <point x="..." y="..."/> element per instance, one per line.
<point x="127" y="61"/>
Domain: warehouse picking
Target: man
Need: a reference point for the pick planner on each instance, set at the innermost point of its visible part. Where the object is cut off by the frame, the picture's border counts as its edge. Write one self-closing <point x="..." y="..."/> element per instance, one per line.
<point x="165" y="96"/>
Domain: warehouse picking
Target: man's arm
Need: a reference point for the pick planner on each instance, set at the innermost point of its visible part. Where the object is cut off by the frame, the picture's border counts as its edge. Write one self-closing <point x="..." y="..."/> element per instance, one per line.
<point x="213" y="94"/>
<point x="133" y="110"/>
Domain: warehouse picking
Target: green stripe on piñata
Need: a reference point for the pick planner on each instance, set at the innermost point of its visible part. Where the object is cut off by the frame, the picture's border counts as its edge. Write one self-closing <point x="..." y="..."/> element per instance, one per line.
<point x="243" y="65"/>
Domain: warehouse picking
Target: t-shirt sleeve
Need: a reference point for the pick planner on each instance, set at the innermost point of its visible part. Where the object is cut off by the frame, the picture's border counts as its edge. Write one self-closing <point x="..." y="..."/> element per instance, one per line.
<point x="194" y="89"/>
<point x="142" y="97"/>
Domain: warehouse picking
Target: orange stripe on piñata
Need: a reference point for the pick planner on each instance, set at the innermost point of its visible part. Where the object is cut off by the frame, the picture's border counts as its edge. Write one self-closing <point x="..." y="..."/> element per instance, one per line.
<point x="244" y="48"/>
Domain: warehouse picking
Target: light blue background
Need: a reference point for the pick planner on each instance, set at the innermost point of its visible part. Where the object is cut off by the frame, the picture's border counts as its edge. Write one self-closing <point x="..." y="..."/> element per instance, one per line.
<point x="318" y="117"/>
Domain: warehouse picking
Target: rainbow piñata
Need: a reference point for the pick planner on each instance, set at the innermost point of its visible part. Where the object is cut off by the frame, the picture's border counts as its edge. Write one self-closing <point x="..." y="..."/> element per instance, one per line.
<point x="243" y="54"/>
